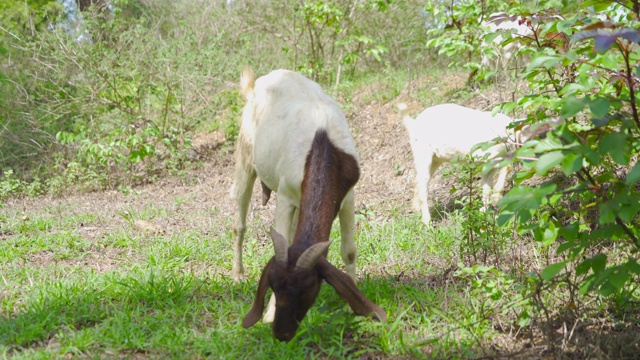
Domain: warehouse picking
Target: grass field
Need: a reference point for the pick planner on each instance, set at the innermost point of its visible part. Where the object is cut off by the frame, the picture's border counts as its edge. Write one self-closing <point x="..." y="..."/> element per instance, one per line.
<point x="136" y="294"/>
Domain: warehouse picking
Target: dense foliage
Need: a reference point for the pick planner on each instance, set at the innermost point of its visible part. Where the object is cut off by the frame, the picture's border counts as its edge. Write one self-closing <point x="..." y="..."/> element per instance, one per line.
<point x="577" y="189"/>
<point x="113" y="99"/>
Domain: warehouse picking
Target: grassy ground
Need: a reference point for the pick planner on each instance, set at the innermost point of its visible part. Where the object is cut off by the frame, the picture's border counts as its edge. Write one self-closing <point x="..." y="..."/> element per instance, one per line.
<point x="161" y="295"/>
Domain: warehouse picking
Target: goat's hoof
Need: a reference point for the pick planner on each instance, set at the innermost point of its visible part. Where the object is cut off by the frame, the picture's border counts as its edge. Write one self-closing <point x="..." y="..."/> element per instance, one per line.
<point x="271" y="310"/>
<point x="351" y="271"/>
<point x="237" y="276"/>
<point x="268" y="318"/>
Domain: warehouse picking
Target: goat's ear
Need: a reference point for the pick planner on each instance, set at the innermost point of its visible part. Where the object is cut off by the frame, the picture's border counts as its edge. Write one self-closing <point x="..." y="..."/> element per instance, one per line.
<point x="255" y="313"/>
<point x="349" y="292"/>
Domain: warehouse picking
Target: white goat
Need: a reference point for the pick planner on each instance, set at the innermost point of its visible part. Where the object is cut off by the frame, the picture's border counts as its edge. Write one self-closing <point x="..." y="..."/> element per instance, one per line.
<point x="511" y="26"/>
<point x="443" y="132"/>
<point x="279" y="122"/>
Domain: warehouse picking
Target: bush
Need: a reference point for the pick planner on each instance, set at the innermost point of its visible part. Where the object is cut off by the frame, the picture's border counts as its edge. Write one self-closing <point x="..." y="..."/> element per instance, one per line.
<point x="583" y="70"/>
<point x="119" y="103"/>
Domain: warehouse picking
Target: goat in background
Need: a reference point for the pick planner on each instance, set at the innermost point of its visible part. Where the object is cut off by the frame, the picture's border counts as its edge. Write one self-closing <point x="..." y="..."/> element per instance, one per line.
<point x="443" y="132"/>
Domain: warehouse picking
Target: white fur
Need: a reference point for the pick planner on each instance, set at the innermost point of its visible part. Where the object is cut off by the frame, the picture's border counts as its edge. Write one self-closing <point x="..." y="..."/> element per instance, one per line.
<point x="279" y="121"/>
<point x="443" y="132"/>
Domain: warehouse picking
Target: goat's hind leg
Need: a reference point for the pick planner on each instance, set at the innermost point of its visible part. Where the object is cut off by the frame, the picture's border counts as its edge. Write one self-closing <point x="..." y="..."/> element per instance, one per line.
<point x="241" y="190"/>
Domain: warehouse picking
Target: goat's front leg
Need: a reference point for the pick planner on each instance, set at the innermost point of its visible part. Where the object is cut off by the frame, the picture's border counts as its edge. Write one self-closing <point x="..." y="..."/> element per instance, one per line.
<point x="285" y="213"/>
<point x="285" y="218"/>
<point x="424" y="169"/>
<point x="501" y="182"/>
<point x="487" y="184"/>
<point x="347" y="229"/>
<point x="492" y="189"/>
<point x="241" y="193"/>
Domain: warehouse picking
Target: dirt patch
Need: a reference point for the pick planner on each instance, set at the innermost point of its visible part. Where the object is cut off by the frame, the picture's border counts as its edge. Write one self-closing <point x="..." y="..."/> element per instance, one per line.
<point x="200" y="197"/>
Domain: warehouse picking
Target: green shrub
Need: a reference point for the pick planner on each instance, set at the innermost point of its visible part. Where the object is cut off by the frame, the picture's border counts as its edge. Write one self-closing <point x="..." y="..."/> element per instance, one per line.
<point x="584" y="72"/>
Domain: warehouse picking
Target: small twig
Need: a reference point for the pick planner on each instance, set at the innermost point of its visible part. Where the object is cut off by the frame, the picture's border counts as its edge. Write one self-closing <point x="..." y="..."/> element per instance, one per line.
<point x="10" y="33"/>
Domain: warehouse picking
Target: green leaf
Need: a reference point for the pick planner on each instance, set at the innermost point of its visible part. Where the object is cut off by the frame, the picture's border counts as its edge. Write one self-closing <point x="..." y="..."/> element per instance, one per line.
<point x="550" y="234"/>
<point x="504" y="217"/>
<point x="507" y="107"/>
<point x="565" y="246"/>
<point x="548" y="144"/>
<point x="571" y="163"/>
<point x="587" y="284"/>
<point x="490" y="37"/>
<point x="632" y="266"/>
<point x="583" y="267"/>
<point x="600" y="122"/>
<point x="548" y="161"/>
<point x="519" y="201"/>
<point x="598" y="5"/>
<point x="571" y="106"/>
<point x="616" y="145"/>
<point x="563" y="26"/>
<point x="598" y="262"/>
<point x="618" y="278"/>
<point x="634" y="175"/>
<point x="524" y="319"/>
<point x="599" y="107"/>
<point x="630" y="208"/>
<point x="570" y="231"/>
<point x="544" y="61"/>
<point x="592" y="156"/>
<point x="607" y="214"/>
<point x="552" y="270"/>
<point x="607" y="289"/>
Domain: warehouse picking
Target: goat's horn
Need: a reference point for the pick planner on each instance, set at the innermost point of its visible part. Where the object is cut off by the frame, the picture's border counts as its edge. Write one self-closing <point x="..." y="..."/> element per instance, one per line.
<point x="280" y="246"/>
<point x="310" y="257"/>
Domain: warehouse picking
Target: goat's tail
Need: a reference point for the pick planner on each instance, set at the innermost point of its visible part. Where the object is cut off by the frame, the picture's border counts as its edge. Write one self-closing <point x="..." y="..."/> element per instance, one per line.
<point x="247" y="81"/>
<point x="403" y="110"/>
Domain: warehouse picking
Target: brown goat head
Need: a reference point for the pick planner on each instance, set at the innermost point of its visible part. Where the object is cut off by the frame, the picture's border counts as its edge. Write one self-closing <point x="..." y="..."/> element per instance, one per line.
<point x="295" y="276"/>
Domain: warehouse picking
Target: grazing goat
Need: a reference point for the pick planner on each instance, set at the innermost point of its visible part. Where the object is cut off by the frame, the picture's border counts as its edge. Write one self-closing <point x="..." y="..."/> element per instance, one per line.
<point x="443" y="132"/>
<point x="283" y="113"/>
<point x="296" y="272"/>
<point x="503" y="24"/>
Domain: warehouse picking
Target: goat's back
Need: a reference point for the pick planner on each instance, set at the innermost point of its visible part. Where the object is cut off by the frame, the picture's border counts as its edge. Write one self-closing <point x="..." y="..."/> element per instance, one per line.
<point x="286" y="109"/>
<point x="453" y="129"/>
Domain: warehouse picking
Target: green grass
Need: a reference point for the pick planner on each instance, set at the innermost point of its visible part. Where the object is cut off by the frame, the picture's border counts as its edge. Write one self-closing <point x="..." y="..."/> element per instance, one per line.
<point x="169" y="296"/>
